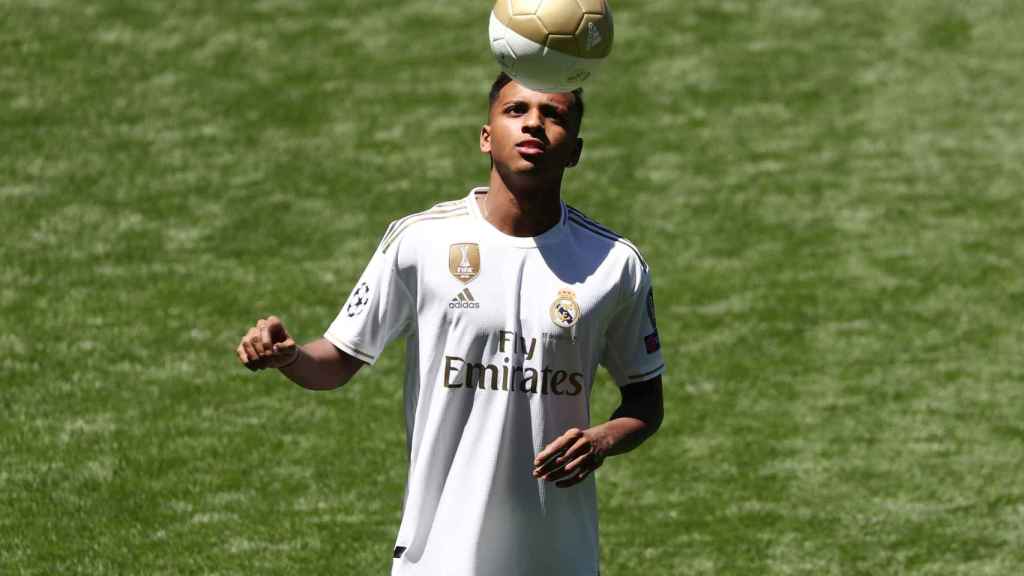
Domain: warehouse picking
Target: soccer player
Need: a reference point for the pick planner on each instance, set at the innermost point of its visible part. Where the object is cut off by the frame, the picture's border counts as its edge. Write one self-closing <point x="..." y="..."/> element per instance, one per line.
<point x="508" y="299"/>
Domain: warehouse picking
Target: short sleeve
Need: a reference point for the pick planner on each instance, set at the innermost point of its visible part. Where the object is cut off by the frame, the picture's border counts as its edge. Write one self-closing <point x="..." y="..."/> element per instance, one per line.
<point x="632" y="347"/>
<point x="379" y="309"/>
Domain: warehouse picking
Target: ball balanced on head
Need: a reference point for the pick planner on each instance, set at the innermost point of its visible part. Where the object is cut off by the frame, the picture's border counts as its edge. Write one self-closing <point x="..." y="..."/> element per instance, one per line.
<point x="551" y="45"/>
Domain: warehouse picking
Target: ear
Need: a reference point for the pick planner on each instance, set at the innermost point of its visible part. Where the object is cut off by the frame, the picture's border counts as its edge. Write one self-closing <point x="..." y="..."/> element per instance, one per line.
<point x="575" y="159"/>
<point x="485" y="139"/>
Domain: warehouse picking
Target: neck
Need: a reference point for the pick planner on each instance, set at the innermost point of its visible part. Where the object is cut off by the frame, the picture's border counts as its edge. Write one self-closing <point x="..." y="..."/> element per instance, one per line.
<point x="522" y="206"/>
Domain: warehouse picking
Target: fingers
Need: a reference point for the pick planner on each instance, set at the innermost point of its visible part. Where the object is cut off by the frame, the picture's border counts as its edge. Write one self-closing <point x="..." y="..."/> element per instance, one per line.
<point x="265" y="340"/>
<point x="577" y="470"/>
<point x="256" y="338"/>
<point x="243" y="357"/>
<point x="247" y="354"/>
<point x="567" y="460"/>
<point x="575" y="456"/>
<point x="549" y="457"/>
<point x="249" y="346"/>
<point x="570" y="435"/>
<point x="576" y="478"/>
<point x="248" y="361"/>
<point x="551" y="464"/>
<point x="579" y="454"/>
<point x="265" y="345"/>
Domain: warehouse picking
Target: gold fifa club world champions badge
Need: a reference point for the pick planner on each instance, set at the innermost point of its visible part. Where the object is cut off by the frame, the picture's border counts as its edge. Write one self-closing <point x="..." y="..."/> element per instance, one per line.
<point x="464" y="261"/>
<point x="565" y="311"/>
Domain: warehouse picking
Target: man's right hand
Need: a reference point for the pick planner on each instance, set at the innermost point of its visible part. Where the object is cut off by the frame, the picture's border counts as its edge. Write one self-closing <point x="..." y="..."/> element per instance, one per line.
<point x="267" y="345"/>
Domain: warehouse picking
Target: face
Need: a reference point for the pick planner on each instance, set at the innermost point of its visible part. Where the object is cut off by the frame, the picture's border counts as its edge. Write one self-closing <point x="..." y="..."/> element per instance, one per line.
<point x="531" y="132"/>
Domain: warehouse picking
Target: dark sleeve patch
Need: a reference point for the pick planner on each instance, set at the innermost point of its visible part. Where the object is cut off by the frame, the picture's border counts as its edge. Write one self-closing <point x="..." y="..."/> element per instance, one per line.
<point x="652" y="343"/>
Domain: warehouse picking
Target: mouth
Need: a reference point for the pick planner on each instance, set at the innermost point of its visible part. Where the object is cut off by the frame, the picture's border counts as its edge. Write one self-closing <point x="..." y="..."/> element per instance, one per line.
<point x="530" y="147"/>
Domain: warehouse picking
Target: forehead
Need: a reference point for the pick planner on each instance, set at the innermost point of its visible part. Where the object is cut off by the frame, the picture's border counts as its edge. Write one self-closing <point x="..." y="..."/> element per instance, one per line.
<point x="514" y="91"/>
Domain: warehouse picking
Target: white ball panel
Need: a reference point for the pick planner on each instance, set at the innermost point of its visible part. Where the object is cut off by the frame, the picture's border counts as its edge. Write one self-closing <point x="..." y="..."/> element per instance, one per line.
<point x="520" y="45"/>
<point x="503" y="54"/>
<point x="495" y="29"/>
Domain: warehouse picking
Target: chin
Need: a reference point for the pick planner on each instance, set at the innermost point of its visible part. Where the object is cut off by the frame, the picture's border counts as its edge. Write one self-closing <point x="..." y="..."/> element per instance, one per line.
<point x="538" y="173"/>
<point x="523" y="168"/>
<point x="541" y="164"/>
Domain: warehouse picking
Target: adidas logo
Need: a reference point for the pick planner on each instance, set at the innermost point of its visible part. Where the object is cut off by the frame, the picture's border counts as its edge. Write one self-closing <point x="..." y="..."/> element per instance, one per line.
<point x="464" y="300"/>
<point x="593" y="36"/>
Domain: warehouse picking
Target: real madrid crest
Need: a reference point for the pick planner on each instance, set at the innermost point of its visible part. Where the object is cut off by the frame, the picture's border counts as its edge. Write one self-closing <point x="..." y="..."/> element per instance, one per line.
<point x="565" y="311"/>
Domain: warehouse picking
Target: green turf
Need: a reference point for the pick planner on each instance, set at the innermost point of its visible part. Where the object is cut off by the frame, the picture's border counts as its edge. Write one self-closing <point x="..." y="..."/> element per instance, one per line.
<point x="829" y="193"/>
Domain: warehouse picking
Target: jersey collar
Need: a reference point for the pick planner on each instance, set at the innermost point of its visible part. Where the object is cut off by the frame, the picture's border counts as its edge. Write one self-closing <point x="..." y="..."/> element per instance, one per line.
<point x="550" y="235"/>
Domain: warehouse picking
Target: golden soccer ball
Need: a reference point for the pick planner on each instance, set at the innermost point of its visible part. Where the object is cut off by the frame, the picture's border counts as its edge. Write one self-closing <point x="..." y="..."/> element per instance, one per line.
<point x="551" y="45"/>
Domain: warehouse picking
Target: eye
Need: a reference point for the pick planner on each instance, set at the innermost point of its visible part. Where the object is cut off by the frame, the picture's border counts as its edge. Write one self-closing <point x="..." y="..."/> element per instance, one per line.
<point x="516" y="108"/>
<point x="558" y="115"/>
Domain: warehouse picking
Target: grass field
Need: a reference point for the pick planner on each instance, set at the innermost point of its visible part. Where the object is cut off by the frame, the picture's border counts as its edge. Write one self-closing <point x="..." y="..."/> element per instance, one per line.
<point x="830" y="194"/>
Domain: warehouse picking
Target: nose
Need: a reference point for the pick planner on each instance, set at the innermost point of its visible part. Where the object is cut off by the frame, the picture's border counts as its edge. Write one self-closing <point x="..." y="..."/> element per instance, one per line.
<point x="531" y="120"/>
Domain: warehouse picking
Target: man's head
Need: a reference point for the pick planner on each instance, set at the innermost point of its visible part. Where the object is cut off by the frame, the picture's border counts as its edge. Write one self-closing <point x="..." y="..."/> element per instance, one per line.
<point x="532" y="133"/>
<point x="577" y="108"/>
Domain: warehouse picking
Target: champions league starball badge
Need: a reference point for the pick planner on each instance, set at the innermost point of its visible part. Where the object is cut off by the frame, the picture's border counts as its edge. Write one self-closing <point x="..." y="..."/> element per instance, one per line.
<point x="650" y="308"/>
<point x="358" y="300"/>
<point x="565" y="311"/>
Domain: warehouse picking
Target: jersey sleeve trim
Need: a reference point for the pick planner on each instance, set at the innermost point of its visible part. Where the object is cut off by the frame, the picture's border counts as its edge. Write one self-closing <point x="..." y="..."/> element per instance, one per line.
<point x="646" y="375"/>
<point x="583" y="221"/>
<point x="444" y="210"/>
<point x="350" y="349"/>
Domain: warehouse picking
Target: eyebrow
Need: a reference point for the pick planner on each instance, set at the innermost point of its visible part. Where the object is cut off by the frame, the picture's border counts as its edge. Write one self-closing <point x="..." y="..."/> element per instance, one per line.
<point x="547" y="106"/>
<point x="556" y="107"/>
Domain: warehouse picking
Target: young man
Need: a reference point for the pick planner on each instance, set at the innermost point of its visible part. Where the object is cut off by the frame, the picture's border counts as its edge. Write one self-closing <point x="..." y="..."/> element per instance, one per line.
<point x="509" y="299"/>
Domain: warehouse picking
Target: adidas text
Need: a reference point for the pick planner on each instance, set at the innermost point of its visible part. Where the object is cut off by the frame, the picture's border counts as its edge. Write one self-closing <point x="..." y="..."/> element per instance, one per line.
<point x="463" y="300"/>
<point x="454" y="304"/>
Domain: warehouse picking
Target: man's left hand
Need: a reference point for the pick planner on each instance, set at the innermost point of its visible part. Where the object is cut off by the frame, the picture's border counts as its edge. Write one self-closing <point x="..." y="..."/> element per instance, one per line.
<point x="570" y="458"/>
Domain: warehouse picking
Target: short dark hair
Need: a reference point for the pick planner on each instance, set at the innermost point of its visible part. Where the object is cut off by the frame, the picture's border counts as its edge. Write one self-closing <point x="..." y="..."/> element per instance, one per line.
<point x="504" y="79"/>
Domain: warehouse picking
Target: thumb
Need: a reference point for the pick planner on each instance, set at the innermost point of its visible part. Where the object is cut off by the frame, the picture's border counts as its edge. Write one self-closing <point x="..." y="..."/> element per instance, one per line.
<point x="277" y="330"/>
<point x="285" y="353"/>
<point x="287" y="346"/>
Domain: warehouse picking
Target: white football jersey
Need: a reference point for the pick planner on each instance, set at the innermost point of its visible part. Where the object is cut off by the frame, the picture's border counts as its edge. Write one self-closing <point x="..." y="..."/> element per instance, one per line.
<point x="504" y="337"/>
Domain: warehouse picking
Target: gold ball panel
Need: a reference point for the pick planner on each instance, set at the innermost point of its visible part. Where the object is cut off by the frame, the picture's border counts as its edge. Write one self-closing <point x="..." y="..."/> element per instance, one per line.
<point x="593" y="6"/>
<point x="525" y="25"/>
<point x="530" y="27"/>
<point x="560" y="16"/>
<point x="563" y="43"/>
<point x="523" y="7"/>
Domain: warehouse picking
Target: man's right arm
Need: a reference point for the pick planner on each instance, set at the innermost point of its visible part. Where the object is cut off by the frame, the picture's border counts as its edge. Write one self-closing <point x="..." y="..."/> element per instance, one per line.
<point x="318" y="365"/>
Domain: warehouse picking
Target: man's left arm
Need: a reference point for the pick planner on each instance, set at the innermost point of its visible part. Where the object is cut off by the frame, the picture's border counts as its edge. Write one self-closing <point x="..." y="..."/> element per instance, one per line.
<point x="574" y="455"/>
